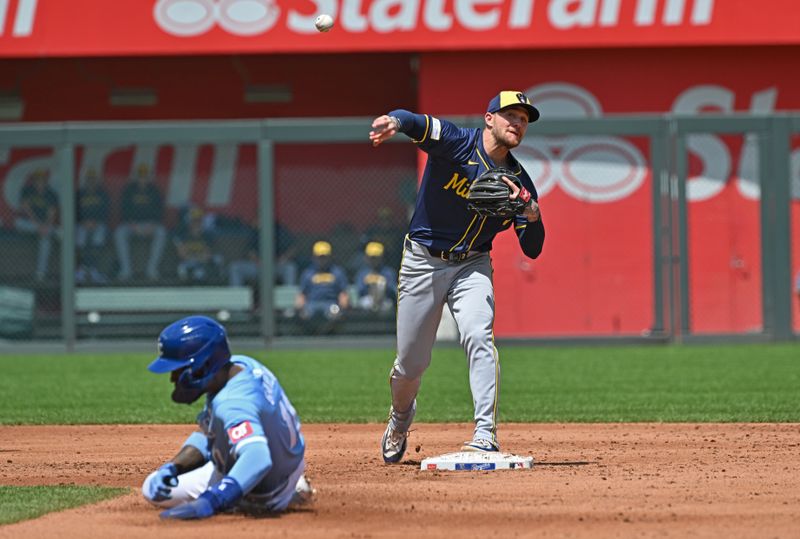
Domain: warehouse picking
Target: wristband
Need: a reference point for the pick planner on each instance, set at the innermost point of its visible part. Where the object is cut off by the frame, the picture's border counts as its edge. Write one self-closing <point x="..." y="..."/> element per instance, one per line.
<point x="224" y="494"/>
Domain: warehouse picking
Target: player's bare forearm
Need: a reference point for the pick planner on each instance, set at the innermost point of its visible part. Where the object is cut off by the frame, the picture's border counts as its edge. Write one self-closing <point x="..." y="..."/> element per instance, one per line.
<point x="188" y="459"/>
<point x="532" y="212"/>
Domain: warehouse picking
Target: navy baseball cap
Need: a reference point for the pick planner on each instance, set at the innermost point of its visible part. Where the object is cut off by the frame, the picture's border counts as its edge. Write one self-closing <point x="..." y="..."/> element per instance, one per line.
<point x="513" y="98"/>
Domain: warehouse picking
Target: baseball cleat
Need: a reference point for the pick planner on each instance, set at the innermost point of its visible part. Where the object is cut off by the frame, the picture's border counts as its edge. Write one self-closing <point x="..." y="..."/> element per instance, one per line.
<point x="393" y="445"/>
<point x="304" y="493"/>
<point x="480" y="445"/>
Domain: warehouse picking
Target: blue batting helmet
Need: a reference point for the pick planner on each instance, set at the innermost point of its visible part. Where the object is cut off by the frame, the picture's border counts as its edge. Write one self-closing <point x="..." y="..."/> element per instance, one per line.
<point x="196" y="342"/>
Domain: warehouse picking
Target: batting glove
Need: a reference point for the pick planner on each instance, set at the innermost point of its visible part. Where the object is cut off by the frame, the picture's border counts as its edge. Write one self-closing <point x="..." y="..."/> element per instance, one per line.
<point x="160" y="487"/>
<point x="217" y="498"/>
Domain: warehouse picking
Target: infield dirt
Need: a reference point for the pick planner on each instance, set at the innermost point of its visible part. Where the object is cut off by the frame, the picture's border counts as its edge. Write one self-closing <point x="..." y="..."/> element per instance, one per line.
<point x="589" y="480"/>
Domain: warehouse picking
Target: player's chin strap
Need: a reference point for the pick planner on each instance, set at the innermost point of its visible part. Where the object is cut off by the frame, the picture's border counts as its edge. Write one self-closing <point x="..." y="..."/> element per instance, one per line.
<point x="186" y="395"/>
<point x="189" y="388"/>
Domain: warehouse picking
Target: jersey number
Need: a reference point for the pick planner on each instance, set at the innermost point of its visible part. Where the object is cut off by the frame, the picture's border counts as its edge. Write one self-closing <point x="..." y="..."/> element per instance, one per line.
<point x="288" y="414"/>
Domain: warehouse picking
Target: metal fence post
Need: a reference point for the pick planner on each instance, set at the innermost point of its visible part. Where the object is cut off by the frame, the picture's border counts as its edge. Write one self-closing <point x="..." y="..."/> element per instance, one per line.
<point x="775" y="173"/>
<point x="661" y="229"/>
<point x="65" y="169"/>
<point x="266" y="214"/>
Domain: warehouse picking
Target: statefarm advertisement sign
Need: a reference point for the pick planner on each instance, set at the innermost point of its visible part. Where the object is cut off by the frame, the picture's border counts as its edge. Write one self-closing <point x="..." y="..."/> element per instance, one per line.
<point x="136" y="27"/>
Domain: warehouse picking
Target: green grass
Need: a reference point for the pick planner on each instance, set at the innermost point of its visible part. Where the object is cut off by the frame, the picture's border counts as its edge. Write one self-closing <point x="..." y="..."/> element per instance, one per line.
<point x="755" y="383"/>
<point x="22" y="503"/>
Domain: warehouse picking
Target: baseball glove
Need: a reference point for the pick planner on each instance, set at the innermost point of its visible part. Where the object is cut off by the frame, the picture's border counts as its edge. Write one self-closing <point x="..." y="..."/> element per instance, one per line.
<point x="489" y="194"/>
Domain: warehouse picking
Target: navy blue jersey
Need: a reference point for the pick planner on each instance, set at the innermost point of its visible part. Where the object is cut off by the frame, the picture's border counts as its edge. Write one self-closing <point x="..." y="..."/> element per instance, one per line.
<point x="385" y="276"/>
<point x="323" y="285"/>
<point x="92" y="205"/>
<point x="39" y="203"/>
<point x="456" y="157"/>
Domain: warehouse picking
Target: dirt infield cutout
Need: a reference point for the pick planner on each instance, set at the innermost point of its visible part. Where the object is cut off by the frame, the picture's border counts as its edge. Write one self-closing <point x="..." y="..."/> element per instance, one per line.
<point x="589" y="480"/>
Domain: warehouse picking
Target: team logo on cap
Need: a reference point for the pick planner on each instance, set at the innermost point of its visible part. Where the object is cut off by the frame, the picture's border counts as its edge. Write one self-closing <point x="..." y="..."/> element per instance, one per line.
<point x="523" y="98"/>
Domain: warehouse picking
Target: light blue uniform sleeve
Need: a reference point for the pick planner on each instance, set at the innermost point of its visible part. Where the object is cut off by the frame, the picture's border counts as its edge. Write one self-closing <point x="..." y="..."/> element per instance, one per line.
<point x="253" y="463"/>
<point x="247" y="442"/>
<point x="199" y="441"/>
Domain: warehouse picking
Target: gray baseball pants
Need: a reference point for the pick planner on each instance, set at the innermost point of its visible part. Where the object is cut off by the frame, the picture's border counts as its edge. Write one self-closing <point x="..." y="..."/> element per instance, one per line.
<point x="426" y="283"/>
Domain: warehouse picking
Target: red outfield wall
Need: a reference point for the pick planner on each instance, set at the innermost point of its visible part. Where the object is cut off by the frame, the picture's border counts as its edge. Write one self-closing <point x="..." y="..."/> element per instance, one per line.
<point x="595" y="275"/>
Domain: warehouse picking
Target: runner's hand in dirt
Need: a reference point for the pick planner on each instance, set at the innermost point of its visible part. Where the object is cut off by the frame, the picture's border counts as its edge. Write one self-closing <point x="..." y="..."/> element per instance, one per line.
<point x="217" y="498"/>
<point x="160" y="488"/>
<point x="202" y="507"/>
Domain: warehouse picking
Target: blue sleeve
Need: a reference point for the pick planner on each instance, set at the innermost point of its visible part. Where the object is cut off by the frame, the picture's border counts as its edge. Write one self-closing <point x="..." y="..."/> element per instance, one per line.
<point x="411" y="124"/>
<point x="252" y="464"/>
<point x="362" y="288"/>
<point x="199" y="441"/>
<point x="341" y="279"/>
<point x="247" y="441"/>
<point x="305" y="281"/>
<point x="436" y="136"/>
<point x="531" y="235"/>
<point x="391" y="282"/>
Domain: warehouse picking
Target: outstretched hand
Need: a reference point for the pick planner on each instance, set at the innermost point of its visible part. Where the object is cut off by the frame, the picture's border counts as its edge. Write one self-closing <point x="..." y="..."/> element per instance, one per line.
<point x="217" y="498"/>
<point x="202" y="507"/>
<point x="383" y="128"/>
<point x="160" y="487"/>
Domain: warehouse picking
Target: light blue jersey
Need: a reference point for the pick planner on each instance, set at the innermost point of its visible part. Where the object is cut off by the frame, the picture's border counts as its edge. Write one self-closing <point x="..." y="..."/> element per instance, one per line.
<point x="252" y="409"/>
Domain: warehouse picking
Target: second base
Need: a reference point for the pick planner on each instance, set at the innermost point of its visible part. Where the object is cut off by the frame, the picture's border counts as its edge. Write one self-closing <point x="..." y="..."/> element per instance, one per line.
<point x="475" y="460"/>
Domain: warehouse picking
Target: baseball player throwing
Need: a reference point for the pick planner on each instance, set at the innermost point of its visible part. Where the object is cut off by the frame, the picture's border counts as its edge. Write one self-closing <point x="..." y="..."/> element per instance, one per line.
<point x="249" y="452"/>
<point x="446" y="257"/>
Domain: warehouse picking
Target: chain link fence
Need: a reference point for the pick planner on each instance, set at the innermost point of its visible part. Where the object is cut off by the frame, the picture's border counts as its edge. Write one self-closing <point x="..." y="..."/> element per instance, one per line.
<point x="293" y="228"/>
<point x="160" y="230"/>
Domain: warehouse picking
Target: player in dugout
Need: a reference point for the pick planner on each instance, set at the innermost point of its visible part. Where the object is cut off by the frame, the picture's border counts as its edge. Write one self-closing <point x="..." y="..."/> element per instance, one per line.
<point x="248" y="454"/>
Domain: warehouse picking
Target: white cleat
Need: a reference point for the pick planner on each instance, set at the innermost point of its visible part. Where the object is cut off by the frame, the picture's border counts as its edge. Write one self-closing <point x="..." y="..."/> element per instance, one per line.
<point x="481" y="444"/>
<point x="393" y="445"/>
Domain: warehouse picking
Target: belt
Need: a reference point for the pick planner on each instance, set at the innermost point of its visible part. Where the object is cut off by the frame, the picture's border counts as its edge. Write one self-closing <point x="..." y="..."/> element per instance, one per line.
<point x="447" y="256"/>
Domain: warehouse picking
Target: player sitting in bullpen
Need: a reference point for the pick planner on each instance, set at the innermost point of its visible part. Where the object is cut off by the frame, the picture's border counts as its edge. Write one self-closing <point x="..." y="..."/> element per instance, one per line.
<point x="248" y="454"/>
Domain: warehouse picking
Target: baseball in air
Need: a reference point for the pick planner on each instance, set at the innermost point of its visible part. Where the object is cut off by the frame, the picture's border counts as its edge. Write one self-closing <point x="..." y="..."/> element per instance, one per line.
<point x="324" y="23"/>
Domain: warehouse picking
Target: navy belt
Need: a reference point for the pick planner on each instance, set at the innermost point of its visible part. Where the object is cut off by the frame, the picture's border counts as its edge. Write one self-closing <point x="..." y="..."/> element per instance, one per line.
<point x="447" y="256"/>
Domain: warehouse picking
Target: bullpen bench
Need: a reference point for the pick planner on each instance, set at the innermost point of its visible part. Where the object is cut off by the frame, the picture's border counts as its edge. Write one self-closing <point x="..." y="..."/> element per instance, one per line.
<point x="143" y="311"/>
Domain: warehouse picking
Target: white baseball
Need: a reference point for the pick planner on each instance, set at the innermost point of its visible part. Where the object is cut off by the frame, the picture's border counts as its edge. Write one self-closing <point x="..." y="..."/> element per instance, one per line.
<point x="323" y="22"/>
